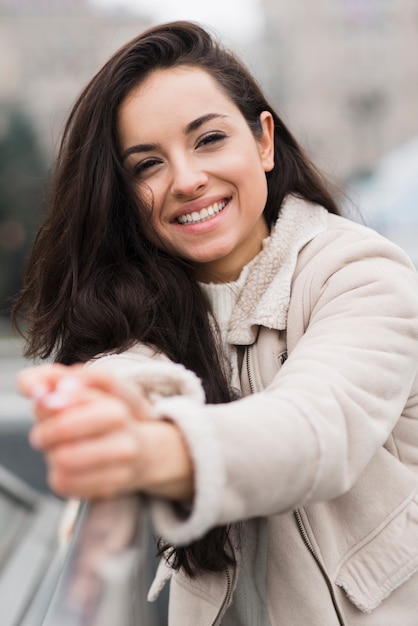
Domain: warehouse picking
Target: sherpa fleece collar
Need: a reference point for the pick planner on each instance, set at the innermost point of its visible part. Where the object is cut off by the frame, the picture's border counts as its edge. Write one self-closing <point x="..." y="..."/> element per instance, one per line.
<point x="264" y="299"/>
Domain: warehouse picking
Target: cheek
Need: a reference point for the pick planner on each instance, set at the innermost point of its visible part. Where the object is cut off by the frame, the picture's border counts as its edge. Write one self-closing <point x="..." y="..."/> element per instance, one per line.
<point x="246" y="165"/>
<point x="258" y="191"/>
<point x="249" y="174"/>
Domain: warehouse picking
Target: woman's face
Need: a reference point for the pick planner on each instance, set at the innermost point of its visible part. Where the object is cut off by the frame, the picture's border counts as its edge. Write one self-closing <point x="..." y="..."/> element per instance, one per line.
<point x="199" y="167"/>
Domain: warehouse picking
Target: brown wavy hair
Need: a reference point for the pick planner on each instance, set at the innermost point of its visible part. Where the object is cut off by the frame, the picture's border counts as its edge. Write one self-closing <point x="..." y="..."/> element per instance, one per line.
<point x="94" y="282"/>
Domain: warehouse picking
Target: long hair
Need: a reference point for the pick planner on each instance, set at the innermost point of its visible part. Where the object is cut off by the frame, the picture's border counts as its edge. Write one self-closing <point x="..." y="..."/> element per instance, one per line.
<point x="94" y="282"/>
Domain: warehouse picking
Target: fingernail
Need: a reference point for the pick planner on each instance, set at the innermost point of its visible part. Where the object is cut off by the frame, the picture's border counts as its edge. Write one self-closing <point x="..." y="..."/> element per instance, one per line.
<point x="38" y="391"/>
<point x="69" y="383"/>
<point x="55" y="400"/>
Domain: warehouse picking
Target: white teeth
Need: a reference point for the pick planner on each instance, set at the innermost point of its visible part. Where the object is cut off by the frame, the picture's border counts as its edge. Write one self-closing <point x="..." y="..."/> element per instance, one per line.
<point x="203" y="215"/>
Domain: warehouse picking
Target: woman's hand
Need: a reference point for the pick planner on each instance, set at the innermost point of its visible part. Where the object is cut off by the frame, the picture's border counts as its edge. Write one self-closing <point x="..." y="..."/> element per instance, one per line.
<point x="99" y="438"/>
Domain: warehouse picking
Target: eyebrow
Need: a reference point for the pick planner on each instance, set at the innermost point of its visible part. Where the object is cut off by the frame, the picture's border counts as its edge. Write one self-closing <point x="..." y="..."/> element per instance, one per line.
<point x="191" y="127"/>
<point x="200" y="121"/>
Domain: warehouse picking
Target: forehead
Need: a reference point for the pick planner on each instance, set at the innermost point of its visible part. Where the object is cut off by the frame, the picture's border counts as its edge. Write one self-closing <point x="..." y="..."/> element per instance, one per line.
<point x="180" y="93"/>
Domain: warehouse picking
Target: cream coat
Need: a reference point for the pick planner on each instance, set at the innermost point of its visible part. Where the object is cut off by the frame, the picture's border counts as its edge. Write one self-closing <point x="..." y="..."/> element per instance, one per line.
<point x="331" y="431"/>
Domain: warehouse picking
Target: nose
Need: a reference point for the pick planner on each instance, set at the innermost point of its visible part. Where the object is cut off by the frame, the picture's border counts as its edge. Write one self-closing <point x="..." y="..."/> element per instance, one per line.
<point x="188" y="177"/>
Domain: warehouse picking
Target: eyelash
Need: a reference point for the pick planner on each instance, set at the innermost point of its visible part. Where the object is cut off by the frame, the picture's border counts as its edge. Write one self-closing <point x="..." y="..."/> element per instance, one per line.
<point x="210" y="138"/>
<point x="142" y="167"/>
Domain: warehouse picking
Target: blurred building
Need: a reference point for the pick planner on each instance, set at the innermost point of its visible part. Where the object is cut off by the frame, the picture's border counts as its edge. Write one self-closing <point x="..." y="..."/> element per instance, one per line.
<point x="48" y="50"/>
<point x="344" y="74"/>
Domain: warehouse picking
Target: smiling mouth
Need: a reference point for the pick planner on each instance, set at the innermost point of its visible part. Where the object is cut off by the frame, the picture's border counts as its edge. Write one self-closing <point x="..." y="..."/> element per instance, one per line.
<point x="202" y="216"/>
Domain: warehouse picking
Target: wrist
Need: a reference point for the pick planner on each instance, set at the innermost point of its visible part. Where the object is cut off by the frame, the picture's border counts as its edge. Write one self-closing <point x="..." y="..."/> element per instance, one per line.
<point x="168" y="467"/>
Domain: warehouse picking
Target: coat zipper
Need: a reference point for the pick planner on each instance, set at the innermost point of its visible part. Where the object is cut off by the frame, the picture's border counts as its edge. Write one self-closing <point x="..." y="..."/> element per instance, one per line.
<point x="227" y="595"/>
<point x="299" y="521"/>
<point x="308" y="544"/>
<point x="249" y="373"/>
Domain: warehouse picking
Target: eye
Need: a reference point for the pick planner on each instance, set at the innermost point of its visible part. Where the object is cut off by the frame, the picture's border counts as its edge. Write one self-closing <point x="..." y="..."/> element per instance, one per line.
<point x="210" y="138"/>
<point x="145" y="166"/>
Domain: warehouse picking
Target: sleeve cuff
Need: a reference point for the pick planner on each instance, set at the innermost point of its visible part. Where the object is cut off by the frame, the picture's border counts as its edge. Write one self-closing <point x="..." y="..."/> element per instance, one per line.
<point x="209" y="474"/>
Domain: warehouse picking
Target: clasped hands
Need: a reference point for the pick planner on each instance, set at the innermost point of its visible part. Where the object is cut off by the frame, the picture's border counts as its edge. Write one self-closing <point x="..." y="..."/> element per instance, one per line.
<point x="99" y="438"/>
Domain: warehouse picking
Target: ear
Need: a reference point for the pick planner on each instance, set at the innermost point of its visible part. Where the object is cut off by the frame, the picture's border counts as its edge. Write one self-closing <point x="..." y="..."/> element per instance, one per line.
<point x="266" y="141"/>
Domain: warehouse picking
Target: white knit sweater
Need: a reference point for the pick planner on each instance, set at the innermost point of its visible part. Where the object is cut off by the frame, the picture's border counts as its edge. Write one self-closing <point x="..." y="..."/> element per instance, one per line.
<point x="223" y="298"/>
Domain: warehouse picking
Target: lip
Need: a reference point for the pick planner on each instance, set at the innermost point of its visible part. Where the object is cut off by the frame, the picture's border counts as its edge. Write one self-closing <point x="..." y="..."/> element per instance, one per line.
<point x="198" y="205"/>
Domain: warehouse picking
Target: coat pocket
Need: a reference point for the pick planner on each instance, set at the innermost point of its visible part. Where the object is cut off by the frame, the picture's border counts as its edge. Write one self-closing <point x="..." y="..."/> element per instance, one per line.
<point x="383" y="561"/>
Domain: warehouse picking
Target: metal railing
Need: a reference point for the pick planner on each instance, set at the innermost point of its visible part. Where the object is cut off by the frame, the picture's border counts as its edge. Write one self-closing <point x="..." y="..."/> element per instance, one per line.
<point x="108" y="567"/>
<point x="28" y="545"/>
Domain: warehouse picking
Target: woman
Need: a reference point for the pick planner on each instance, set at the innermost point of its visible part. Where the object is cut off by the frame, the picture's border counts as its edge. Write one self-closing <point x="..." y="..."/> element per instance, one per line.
<point x="252" y="354"/>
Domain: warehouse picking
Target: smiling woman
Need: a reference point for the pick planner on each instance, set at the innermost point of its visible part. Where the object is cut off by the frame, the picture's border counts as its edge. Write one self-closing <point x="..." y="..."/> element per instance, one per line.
<point x="202" y="176"/>
<point x="251" y="354"/>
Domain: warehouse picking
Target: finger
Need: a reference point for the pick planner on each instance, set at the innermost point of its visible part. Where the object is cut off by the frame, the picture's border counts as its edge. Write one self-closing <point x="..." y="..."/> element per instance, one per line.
<point x="35" y="382"/>
<point x="61" y="383"/>
<point x="69" y="391"/>
<point x="41" y="382"/>
<point x="72" y="389"/>
<point x="127" y="390"/>
<point x="101" y="483"/>
<point x="98" y="416"/>
<point x="79" y="470"/>
<point x="55" y="387"/>
<point x="119" y="448"/>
